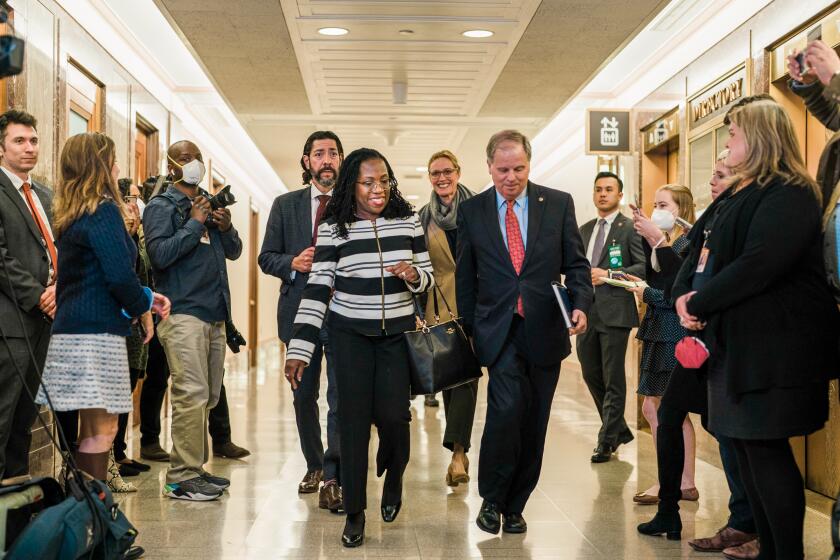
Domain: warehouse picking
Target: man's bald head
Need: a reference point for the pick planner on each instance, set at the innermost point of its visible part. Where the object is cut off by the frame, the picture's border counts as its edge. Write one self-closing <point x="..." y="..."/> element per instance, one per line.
<point x="182" y="152"/>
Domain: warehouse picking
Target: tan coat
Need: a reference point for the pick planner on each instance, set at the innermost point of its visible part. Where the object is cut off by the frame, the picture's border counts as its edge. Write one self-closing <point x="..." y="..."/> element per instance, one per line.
<point x="443" y="263"/>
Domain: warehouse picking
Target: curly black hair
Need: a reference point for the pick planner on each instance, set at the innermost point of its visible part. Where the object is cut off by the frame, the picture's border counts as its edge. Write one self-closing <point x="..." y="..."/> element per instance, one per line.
<point x="342" y="204"/>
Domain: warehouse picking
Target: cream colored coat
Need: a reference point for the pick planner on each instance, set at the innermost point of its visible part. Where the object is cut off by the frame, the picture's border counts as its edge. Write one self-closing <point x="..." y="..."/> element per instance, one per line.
<point x="443" y="263"/>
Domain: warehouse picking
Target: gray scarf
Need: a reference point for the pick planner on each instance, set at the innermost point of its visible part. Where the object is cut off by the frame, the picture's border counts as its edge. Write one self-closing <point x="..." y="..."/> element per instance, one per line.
<point x="444" y="216"/>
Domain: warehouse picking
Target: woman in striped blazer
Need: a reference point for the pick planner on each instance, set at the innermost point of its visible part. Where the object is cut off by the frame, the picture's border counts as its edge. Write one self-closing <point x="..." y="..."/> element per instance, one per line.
<point x="369" y="258"/>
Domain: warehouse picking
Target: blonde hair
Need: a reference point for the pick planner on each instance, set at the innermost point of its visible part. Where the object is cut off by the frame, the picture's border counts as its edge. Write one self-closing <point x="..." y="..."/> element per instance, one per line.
<point x="85" y="167"/>
<point x="685" y="202"/>
<point x="722" y="156"/>
<point x="444" y="154"/>
<point x="772" y="148"/>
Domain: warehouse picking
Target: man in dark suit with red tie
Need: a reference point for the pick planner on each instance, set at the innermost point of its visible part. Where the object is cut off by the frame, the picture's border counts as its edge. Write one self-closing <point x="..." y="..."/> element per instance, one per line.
<point x="287" y="252"/>
<point x="29" y="262"/>
<point x="513" y="241"/>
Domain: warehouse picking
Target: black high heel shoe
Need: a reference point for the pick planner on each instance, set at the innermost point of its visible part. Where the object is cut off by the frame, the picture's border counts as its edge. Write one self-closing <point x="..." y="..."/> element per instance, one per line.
<point x="354" y="530"/>
<point x="668" y="524"/>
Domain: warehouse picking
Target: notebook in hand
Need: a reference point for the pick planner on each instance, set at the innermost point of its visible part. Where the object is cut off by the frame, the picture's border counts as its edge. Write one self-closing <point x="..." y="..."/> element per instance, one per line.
<point x="562" y="294"/>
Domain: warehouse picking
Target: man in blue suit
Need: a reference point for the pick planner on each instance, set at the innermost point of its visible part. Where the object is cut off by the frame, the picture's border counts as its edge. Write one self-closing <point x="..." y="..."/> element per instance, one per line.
<point x="513" y="241"/>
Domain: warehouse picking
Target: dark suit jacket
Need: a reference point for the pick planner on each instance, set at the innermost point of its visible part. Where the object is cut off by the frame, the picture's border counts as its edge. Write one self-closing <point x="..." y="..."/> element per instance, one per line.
<point x="24" y="257"/>
<point x="616" y="306"/>
<point x="487" y="286"/>
<point x="288" y="232"/>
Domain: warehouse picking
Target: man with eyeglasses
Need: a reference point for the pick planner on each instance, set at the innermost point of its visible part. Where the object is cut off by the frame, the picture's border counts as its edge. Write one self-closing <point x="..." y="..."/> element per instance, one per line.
<point x="287" y="252"/>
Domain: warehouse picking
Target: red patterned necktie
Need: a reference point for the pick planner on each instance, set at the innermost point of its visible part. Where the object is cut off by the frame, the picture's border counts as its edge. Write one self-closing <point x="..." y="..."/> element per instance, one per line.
<point x="42" y="227"/>
<point x="516" y="247"/>
<point x="319" y="213"/>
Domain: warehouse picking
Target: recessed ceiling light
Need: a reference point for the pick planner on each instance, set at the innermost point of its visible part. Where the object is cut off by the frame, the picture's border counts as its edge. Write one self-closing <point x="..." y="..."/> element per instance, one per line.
<point x="412" y="197"/>
<point x="420" y="169"/>
<point x="477" y="33"/>
<point x="333" y="31"/>
<point x="406" y="32"/>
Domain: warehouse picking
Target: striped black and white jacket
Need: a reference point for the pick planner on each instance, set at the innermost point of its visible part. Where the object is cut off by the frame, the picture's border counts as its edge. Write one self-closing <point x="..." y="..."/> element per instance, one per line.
<point x="366" y="298"/>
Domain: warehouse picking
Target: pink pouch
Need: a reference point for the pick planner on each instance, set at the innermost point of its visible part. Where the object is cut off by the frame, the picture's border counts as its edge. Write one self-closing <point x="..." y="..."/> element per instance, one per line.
<point x="691" y="353"/>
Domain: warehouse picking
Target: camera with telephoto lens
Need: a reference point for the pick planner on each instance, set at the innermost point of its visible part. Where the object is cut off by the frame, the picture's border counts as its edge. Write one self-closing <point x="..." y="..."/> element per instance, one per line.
<point x="234" y="337"/>
<point x="221" y="199"/>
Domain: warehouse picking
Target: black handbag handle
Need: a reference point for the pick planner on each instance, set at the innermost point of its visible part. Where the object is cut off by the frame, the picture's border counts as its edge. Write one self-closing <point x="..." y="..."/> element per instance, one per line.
<point x="419" y="313"/>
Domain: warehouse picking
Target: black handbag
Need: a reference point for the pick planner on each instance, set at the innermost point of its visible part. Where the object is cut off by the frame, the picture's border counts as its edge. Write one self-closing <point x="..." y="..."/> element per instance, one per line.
<point x="440" y="355"/>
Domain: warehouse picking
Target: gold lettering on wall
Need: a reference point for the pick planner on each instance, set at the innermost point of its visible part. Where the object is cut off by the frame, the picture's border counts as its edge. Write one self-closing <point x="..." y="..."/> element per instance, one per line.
<point x="715" y="102"/>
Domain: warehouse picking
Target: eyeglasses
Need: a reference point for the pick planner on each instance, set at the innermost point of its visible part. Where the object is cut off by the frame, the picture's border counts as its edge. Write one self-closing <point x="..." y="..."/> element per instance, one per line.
<point x="370" y="185"/>
<point x="445" y="172"/>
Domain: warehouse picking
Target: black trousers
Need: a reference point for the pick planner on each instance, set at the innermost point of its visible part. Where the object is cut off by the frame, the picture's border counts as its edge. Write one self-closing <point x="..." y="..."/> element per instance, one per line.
<point x="151" y="396"/>
<point x="373" y="387"/>
<point x="17" y="409"/>
<point x="777" y="495"/>
<point x="307" y="413"/>
<point x="601" y="351"/>
<point x="459" y="407"/>
<point x="519" y="395"/>
<point x="122" y="420"/>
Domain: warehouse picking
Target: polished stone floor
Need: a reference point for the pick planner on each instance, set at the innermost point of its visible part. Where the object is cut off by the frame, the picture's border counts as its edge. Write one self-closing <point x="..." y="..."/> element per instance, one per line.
<point x="579" y="510"/>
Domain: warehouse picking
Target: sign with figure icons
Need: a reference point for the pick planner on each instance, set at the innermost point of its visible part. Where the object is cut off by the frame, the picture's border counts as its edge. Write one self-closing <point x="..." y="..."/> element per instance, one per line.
<point x="607" y="131"/>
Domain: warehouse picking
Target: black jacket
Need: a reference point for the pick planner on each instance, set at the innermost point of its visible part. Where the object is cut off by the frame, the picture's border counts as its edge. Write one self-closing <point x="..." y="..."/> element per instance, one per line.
<point x="768" y="307"/>
<point x="488" y="287"/>
<point x="616" y="306"/>
<point x="24" y="258"/>
<point x="287" y="233"/>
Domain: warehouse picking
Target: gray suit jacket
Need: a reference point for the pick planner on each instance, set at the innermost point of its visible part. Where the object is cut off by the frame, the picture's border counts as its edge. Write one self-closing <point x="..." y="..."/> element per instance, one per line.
<point x="287" y="233"/>
<point x="25" y="258"/>
<point x="616" y="307"/>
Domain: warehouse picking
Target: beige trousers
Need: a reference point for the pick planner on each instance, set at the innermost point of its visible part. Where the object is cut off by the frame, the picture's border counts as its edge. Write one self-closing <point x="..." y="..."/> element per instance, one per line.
<point x="195" y="351"/>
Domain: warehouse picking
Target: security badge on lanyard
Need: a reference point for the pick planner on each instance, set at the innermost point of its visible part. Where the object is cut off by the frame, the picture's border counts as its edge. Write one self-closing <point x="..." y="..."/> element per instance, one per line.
<point x="704" y="254"/>
<point x="615" y="255"/>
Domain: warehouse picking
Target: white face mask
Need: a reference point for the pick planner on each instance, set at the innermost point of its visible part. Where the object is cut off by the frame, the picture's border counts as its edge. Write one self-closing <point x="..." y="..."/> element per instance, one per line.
<point x="191" y="173"/>
<point x="663" y="219"/>
<point x="141" y="206"/>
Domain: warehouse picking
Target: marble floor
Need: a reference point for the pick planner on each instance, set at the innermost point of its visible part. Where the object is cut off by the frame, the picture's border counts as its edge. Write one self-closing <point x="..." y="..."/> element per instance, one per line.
<point x="579" y="510"/>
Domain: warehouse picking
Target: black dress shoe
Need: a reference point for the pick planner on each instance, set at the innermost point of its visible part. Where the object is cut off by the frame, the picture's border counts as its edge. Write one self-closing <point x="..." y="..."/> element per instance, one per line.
<point x="663" y="523"/>
<point x="514" y="523"/>
<point x="602" y="453"/>
<point x="624" y="438"/>
<point x="489" y="518"/>
<point x="354" y="530"/>
<point x="389" y="513"/>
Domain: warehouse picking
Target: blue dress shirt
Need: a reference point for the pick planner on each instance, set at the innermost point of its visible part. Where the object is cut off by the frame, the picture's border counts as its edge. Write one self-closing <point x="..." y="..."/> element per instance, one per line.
<point x="520" y="208"/>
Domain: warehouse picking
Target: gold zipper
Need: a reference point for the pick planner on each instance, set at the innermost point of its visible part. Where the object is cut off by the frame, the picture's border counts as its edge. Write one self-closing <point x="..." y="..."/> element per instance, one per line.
<point x="381" y="271"/>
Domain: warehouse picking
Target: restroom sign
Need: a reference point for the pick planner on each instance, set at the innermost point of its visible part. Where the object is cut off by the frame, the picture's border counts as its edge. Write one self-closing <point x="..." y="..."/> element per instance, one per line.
<point x="607" y="131"/>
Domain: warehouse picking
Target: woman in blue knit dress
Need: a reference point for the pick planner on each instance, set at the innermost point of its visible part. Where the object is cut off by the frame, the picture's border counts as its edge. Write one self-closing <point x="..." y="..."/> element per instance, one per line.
<point x="97" y="297"/>
<point x="660" y="329"/>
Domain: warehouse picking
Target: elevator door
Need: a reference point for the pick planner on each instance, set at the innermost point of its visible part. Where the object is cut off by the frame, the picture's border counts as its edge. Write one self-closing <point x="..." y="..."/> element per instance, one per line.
<point x="818" y="455"/>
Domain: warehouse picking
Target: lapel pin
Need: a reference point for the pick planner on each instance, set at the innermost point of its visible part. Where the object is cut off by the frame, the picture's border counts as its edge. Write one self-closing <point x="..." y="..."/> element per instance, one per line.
<point x="540" y="199"/>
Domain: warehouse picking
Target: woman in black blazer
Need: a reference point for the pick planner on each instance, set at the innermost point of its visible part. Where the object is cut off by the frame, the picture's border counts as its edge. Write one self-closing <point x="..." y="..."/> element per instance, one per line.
<point x="771" y="323"/>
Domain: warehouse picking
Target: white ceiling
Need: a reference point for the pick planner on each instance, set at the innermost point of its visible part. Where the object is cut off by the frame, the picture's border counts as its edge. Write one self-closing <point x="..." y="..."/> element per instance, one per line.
<point x="283" y="80"/>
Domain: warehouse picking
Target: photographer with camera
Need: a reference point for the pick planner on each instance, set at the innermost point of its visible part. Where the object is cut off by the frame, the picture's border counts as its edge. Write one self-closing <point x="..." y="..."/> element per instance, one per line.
<point x="188" y="237"/>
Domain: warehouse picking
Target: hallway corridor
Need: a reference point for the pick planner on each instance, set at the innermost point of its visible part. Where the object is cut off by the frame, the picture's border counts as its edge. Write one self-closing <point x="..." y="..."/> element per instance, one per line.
<point x="579" y="510"/>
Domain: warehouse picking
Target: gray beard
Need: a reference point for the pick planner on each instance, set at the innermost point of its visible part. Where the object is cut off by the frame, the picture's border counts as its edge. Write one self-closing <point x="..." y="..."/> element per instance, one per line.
<point x="327" y="183"/>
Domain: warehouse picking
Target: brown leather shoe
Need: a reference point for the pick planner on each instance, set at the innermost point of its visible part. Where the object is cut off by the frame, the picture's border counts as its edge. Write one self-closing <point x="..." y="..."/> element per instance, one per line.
<point x="726" y="537"/>
<point x="747" y="551"/>
<point x="310" y="483"/>
<point x="331" y="497"/>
